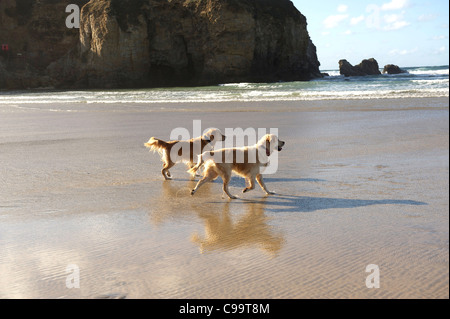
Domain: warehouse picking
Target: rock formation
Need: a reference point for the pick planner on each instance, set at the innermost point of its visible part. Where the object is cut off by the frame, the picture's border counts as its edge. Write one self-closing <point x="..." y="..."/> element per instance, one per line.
<point x="149" y="43"/>
<point x="346" y="69"/>
<point x="36" y="35"/>
<point x="366" y="67"/>
<point x="393" y="69"/>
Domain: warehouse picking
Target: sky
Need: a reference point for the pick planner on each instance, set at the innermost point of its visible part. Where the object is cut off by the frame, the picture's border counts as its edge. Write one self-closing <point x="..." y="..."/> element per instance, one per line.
<point x="402" y="32"/>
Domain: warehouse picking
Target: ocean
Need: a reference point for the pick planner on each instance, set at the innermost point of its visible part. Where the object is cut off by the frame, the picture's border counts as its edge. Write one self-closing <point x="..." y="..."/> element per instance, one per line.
<point x="417" y="83"/>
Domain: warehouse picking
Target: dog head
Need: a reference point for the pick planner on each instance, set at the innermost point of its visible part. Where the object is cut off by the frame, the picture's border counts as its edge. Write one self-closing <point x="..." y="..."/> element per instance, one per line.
<point x="214" y="135"/>
<point x="271" y="142"/>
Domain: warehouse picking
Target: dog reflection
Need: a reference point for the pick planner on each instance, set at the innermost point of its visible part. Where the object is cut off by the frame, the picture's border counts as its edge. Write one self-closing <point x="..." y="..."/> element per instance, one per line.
<point x="171" y="202"/>
<point x="223" y="233"/>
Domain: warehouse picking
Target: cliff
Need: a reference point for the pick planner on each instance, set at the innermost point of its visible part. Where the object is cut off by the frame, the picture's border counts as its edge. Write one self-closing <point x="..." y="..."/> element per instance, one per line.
<point x="36" y="35"/>
<point x="153" y="43"/>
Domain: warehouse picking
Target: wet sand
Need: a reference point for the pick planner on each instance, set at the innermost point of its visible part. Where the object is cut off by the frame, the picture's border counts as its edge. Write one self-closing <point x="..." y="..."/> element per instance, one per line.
<point x="359" y="182"/>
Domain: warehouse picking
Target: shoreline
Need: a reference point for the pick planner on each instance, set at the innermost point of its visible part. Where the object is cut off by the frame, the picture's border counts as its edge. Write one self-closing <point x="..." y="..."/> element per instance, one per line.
<point x="382" y="104"/>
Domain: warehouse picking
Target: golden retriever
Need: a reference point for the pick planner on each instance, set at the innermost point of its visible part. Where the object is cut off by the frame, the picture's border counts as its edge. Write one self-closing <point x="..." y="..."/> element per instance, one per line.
<point x="185" y="151"/>
<point x="245" y="161"/>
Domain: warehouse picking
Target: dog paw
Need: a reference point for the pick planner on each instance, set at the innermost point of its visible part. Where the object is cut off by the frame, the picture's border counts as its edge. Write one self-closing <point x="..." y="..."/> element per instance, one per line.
<point x="192" y="192"/>
<point x="270" y="193"/>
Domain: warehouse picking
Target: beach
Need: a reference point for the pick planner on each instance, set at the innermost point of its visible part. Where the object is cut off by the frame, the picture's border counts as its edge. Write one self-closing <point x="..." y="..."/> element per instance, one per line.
<point x="86" y="213"/>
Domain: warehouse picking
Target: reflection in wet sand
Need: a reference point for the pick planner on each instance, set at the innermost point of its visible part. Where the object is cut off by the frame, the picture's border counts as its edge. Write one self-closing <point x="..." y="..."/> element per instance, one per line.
<point x="224" y="232"/>
<point x="227" y="225"/>
<point x="172" y="202"/>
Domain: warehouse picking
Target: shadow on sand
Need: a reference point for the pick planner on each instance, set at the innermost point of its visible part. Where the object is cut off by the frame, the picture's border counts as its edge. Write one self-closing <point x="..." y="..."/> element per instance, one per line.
<point x="295" y="203"/>
<point x="292" y="203"/>
<point x="280" y="202"/>
<point x="240" y="182"/>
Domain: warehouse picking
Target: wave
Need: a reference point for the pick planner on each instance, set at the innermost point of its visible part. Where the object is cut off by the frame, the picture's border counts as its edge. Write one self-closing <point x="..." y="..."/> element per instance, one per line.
<point x="420" y="82"/>
<point x="249" y="96"/>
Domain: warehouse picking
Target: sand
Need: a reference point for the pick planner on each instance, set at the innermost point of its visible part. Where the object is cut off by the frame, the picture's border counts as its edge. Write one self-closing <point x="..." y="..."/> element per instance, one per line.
<point x="359" y="182"/>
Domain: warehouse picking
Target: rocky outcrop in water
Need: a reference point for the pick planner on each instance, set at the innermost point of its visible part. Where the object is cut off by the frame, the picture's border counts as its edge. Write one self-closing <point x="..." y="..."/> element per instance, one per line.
<point x="393" y="69"/>
<point x="366" y="67"/>
<point x="147" y="43"/>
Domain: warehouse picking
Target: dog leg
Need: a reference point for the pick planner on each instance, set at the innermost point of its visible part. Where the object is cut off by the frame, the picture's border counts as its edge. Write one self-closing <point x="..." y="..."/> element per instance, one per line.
<point x="190" y="165"/>
<point x="210" y="175"/>
<point x="260" y="181"/>
<point x="165" y="171"/>
<point x="226" y="180"/>
<point x="200" y="183"/>
<point x="251" y="185"/>
<point x="167" y="163"/>
<point x="166" y="174"/>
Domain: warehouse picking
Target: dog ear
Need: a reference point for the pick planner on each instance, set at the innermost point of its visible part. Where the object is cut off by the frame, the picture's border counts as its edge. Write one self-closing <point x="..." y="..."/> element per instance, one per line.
<point x="268" y="144"/>
<point x="268" y="141"/>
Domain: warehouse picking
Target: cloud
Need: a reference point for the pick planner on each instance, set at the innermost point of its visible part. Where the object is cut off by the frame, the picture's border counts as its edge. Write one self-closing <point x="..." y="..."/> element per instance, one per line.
<point x="403" y="52"/>
<point x="334" y="20"/>
<point x="394" y="22"/>
<point x="356" y="20"/>
<point x="395" y="5"/>
<point x="439" y="37"/>
<point x="441" y="50"/>
<point x="342" y="8"/>
<point x="426" y="17"/>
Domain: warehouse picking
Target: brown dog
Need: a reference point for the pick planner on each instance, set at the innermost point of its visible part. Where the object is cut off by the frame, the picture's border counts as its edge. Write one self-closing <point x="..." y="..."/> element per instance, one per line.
<point x="185" y="151"/>
<point x="245" y="161"/>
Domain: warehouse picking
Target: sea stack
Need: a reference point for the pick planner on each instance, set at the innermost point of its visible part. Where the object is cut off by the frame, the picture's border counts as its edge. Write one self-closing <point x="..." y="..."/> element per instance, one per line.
<point x="366" y="67"/>
<point x="393" y="69"/>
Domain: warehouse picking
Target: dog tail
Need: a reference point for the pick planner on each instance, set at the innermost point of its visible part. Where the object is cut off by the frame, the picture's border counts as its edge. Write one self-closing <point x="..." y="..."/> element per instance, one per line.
<point x="155" y="144"/>
<point x="199" y="164"/>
